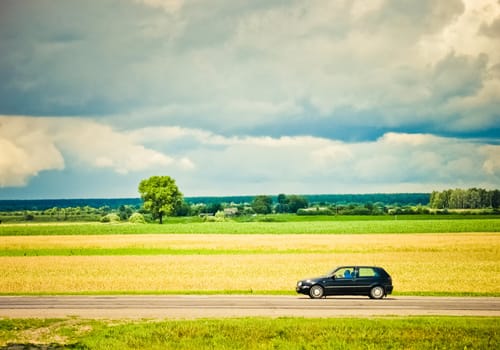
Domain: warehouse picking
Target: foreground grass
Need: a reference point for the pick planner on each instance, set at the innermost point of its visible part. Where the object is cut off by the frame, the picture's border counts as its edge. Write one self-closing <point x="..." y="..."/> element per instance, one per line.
<point x="258" y="333"/>
<point x="333" y="226"/>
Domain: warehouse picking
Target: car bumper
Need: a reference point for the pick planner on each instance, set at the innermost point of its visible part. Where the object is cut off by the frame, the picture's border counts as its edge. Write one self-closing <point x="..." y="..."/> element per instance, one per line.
<point x="303" y="289"/>
<point x="388" y="289"/>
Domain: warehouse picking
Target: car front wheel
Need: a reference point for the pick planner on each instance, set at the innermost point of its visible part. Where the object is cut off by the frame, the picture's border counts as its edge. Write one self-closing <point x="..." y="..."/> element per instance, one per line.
<point x="316" y="292"/>
<point x="377" y="292"/>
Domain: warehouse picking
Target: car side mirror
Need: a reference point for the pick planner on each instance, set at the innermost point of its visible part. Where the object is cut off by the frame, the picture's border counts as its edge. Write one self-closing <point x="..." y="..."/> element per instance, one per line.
<point x="333" y="277"/>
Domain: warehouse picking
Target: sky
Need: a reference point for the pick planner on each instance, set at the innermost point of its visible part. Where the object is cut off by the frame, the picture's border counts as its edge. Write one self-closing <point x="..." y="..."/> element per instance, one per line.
<point x="248" y="97"/>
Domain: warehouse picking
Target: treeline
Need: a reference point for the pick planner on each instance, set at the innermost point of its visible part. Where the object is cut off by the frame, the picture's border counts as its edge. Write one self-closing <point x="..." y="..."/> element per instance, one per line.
<point x="220" y="208"/>
<point x="257" y="205"/>
<point x="85" y="213"/>
<point x="400" y="199"/>
<point x="472" y="198"/>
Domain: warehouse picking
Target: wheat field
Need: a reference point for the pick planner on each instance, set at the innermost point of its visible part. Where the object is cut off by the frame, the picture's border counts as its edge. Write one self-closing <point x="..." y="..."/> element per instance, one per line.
<point x="418" y="263"/>
<point x="265" y="242"/>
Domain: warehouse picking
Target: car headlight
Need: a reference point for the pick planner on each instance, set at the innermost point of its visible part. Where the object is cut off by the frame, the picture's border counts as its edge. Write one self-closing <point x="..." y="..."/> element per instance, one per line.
<point x="299" y="284"/>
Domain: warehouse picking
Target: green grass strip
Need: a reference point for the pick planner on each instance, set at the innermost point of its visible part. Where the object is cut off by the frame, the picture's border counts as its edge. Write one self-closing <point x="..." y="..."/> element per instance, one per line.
<point x="302" y="227"/>
<point x="258" y="333"/>
<point x="145" y="251"/>
<point x="13" y="252"/>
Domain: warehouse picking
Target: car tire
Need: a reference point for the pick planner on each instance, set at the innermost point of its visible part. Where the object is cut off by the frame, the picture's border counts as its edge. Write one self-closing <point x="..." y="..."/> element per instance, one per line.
<point x="316" y="292"/>
<point x="377" y="292"/>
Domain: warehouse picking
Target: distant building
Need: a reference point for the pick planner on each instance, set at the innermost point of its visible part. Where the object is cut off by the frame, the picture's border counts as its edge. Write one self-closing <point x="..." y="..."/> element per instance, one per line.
<point x="230" y="211"/>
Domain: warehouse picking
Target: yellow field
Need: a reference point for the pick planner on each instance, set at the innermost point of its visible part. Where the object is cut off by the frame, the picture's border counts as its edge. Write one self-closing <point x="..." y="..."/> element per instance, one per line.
<point x="417" y="262"/>
<point x="301" y="242"/>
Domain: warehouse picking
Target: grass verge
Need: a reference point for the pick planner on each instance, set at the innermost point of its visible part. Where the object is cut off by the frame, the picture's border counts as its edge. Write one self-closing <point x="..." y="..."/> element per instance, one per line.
<point x="303" y="227"/>
<point x="256" y="333"/>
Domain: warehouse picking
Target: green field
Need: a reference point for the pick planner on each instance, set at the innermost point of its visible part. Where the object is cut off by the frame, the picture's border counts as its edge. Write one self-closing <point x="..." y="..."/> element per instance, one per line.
<point x="258" y="333"/>
<point x="367" y="225"/>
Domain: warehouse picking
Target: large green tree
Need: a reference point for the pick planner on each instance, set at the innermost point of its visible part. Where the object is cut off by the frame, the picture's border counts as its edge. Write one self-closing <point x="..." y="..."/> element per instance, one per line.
<point x="161" y="196"/>
<point x="282" y="206"/>
<point x="296" y="202"/>
<point x="262" y="204"/>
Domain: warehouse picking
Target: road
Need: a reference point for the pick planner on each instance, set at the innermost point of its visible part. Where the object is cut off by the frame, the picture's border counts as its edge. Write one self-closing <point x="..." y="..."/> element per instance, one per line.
<point x="216" y="306"/>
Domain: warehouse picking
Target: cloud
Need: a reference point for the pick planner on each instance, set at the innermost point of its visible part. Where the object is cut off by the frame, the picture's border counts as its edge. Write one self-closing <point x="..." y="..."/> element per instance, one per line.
<point x="261" y="96"/>
<point x="32" y="145"/>
<point x="207" y="163"/>
<point x="169" y="6"/>
<point x="100" y="146"/>
<point x="491" y="165"/>
<point x="492" y="29"/>
<point x="25" y="151"/>
<point x="238" y="68"/>
<point x="414" y="159"/>
<point x="307" y="164"/>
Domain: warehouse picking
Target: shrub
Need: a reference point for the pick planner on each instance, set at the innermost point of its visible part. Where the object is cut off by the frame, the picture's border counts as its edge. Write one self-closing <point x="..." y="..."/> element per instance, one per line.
<point x="137" y="218"/>
<point x="29" y="217"/>
<point x="317" y="211"/>
<point x="218" y="217"/>
<point x="110" y="218"/>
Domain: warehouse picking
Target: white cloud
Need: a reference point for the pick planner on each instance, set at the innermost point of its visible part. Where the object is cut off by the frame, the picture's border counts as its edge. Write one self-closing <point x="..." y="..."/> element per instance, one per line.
<point x="186" y="164"/>
<point x="491" y="157"/>
<point x="25" y="151"/>
<point x="100" y="146"/>
<point x="206" y="163"/>
<point x="169" y="6"/>
<point x="396" y="161"/>
<point x="31" y="145"/>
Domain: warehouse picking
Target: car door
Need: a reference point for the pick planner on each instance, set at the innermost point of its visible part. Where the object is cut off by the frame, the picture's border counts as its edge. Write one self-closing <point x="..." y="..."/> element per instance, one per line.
<point x="341" y="282"/>
<point x="366" y="277"/>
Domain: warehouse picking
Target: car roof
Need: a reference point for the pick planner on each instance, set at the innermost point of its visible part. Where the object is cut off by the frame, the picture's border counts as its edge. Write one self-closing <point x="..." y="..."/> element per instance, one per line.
<point x="358" y="266"/>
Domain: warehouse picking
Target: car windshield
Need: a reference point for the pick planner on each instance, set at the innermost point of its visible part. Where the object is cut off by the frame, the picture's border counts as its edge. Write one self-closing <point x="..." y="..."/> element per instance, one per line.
<point x="330" y="273"/>
<point x="336" y="270"/>
<point x="342" y="272"/>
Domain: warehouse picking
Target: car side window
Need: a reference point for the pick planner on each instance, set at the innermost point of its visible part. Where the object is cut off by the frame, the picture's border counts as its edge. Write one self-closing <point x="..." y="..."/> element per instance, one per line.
<point x="366" y="272"/>
<point x="347" y="272"/>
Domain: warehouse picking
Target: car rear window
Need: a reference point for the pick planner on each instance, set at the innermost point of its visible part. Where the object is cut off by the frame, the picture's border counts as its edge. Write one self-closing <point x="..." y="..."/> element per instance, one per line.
<point x="367" y="272"/>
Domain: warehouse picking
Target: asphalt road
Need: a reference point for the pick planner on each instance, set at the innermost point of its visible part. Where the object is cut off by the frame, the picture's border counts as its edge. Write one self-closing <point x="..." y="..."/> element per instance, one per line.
<point x="216" y="306"/>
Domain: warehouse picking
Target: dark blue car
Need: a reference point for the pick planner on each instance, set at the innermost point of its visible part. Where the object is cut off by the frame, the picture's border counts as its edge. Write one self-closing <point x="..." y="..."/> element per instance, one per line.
<point x="372" y="281"/>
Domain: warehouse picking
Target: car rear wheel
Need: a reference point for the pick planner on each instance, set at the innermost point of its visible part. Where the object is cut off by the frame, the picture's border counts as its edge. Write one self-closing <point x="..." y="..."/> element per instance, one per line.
<point x="316" y="292"/>
<point x="377" y="292"/>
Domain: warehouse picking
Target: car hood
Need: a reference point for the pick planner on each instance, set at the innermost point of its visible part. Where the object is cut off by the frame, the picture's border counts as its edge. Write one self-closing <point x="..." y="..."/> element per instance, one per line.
<point x="314" y="279"/>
